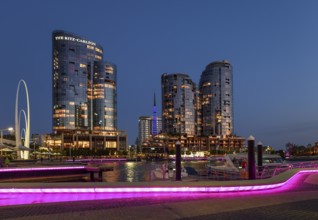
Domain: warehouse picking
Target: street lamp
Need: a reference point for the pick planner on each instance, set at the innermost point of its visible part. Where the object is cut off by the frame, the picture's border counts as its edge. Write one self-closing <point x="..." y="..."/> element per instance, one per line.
<point x="4" y="129"/>
<point x="178" y="161"/>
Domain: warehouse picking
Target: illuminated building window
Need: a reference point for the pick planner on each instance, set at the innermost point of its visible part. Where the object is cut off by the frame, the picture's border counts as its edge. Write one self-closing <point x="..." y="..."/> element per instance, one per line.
<point x="98" y="50"/>
<point x="109" y="69"/>
<point x="109" y="86"/>
<point x="98" y="57"/>
<point x="90" y="47"/>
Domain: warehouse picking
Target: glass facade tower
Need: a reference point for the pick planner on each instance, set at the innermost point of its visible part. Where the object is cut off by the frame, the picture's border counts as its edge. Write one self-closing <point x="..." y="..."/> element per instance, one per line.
<point x="178" y="104"/>
<point x="84" y="86"/>
<point x="216" y="95"/>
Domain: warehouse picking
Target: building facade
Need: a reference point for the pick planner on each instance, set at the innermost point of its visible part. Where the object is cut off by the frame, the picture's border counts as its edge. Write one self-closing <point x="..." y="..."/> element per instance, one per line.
<point x="163" y="144"/>
<point x="178" y="104"/>
<point x="216" y="98"/>
<point x="145" y="128"/>
<point x="84" y="92"/>
<point x="202" y="120"/>
<point x="84" y="86"/>
<point x="110" y="97"/>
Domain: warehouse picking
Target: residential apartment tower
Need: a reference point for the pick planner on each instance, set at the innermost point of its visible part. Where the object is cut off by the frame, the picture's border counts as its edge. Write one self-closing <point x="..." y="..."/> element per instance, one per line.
<point x="178" y="104"/>
<point x="216" y="98"/>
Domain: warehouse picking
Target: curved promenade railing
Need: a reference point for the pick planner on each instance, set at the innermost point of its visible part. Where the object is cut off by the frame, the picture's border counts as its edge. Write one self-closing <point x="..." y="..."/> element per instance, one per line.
<point x="263" y="172"/>
<point x="284" y="179"/>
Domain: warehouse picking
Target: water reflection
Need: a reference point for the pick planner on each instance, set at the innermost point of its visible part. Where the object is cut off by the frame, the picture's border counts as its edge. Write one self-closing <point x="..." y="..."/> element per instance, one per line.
<point x="139" y="171"/>
<point x="130" y="171"/>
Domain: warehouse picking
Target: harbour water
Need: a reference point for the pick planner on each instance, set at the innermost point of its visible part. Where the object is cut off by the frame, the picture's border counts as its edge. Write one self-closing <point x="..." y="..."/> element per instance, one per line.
<point x="140" y="171"/>
<point x="125" y="171"/>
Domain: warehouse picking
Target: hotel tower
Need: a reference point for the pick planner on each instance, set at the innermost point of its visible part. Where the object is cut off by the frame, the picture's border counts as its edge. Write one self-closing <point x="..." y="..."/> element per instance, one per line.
<point x="84" y="86"/>
<point x="84" y="92"/>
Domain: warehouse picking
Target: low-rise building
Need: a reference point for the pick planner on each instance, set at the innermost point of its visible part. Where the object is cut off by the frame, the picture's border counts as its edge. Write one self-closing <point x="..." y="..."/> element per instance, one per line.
<point x="163" y="144"/>
<point x="75" y="139"/>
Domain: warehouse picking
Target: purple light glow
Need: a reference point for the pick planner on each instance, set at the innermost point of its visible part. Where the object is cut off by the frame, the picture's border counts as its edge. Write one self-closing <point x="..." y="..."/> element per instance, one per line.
<point x="42" y="168"/>
<point x="39" y="198"/>
<point x="216" y="189"/>
<point x="98" y="160"/>
<point x="19" y="196"/>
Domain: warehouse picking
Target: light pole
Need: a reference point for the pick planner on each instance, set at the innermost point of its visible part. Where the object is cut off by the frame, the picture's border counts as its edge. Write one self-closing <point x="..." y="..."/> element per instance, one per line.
<point x="251" y="157"/>
<point x="5" y="129"/>
<point x="178" y="161"/>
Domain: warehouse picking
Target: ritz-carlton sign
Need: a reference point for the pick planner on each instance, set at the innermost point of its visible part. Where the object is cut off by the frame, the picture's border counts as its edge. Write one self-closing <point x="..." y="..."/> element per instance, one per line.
<point x="75" y="39"/>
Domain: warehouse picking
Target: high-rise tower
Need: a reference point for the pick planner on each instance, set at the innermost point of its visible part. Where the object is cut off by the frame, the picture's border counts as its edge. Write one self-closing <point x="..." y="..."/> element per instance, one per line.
<point x="216" y="95"/>
<point x="84" y="102"/>
<point x="178" y="104"/>
<point x="84" y="86"/>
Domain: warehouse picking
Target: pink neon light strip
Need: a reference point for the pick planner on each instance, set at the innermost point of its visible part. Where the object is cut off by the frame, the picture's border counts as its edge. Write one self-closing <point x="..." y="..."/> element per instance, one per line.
<point x="41" y="168"/>
<point x="140" y="189"/>
<point x="99" y="160"/>
<point x="212" y="189"/>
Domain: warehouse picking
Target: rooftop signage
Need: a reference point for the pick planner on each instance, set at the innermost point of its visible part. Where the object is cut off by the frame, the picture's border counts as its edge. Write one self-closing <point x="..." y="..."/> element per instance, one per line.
<point x="75" y="39"/>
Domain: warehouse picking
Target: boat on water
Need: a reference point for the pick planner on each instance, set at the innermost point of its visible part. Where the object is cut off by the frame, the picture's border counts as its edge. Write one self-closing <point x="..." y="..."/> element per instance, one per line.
<point x="267" y="159"/>
<point x="302" y="158"/>
<point x="167" y="171"/>
<point x="224" y="163"/>
<point x="236" y="164"/>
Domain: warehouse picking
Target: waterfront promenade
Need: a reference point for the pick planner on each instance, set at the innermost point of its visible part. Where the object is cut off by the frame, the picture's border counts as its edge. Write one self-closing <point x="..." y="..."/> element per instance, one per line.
<point x="298" y="199"/>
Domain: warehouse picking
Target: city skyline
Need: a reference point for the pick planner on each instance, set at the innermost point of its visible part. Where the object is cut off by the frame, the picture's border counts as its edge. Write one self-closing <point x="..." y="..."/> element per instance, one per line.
<point x="271" y="49"/>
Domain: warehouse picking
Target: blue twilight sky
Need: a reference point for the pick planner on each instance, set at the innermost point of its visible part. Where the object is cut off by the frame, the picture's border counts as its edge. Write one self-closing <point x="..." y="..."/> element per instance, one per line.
<point x="272" y="45"/>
